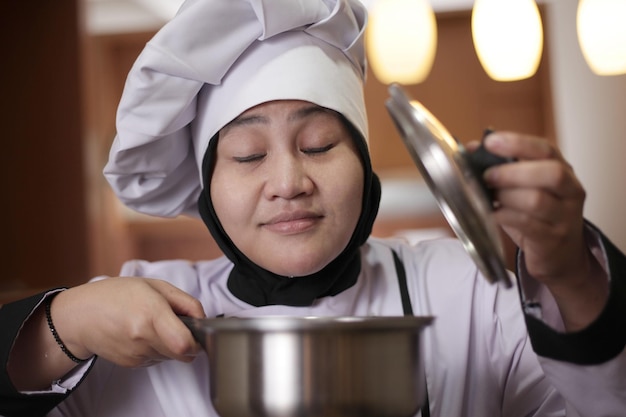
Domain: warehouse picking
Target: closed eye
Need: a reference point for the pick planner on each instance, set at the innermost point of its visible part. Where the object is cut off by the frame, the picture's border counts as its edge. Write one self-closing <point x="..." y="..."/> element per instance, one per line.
<point x="318" y="150"/>
<point x="249" y="158"/>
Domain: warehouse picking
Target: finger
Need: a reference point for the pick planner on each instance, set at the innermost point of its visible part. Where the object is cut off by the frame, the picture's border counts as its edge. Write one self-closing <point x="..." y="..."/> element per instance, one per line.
<point x="520" y="226"/>
<point x="134" y="356"/>
<point x="472" y="145"/>
<point x="161" y="337"/>
<point x="157" y="335"/>
<point x="171" y="337"/>
<point x="549" y="175"/>
<point x="177" y="342"/>
<point x="147" y="357"/>
<point x="530" y="203"/>
<point x="148" y="363"/>
<point x="532" y="233"/>
<point x="515" y="145"/>
<point x="181" y="302"/>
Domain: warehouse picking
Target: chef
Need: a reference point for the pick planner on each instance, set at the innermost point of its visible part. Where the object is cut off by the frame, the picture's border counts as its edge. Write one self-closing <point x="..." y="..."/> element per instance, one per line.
<point x="250" y="114"/>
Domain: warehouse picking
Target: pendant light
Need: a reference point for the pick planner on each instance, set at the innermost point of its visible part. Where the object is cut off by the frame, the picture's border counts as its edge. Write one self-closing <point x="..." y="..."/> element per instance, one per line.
<point x="401" y="40"/>
<point x="508" y="38"/>
<point x="602" y="35"/>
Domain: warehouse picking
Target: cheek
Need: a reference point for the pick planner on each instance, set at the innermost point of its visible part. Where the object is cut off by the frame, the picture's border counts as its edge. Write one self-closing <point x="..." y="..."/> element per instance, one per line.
<point x="349" y="193"/>
<point x="227" y="198"/>
<point x="352" y="191"/>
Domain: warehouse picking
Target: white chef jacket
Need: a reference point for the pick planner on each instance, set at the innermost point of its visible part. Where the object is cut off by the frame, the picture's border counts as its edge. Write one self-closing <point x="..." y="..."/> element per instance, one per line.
<point x="477" y="354"/>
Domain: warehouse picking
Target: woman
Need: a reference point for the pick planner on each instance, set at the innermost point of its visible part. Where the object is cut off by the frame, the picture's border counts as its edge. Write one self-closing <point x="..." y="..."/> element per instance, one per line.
<point x="251" y="114"/>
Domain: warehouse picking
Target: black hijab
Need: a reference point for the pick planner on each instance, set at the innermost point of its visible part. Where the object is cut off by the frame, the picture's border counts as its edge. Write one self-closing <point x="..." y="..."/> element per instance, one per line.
<point x="259" y="287"/>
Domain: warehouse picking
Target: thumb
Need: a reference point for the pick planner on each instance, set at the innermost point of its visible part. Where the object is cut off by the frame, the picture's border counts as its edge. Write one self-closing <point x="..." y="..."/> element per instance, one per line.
<point x="182" y="303"/>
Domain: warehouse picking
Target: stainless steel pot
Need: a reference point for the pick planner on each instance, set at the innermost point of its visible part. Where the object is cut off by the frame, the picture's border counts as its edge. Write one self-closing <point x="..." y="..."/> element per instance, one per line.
<point x="314" y="367"/>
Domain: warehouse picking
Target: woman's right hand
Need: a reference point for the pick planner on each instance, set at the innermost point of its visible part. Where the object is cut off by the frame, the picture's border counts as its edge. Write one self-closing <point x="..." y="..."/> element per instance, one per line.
<point x="129" y="321"/>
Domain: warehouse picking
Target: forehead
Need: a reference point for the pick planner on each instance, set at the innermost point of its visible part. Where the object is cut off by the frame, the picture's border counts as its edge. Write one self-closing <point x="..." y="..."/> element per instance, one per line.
<point x="278" y="104"/>
<point x="278" y="110"/>
<point x="290" y="109"/>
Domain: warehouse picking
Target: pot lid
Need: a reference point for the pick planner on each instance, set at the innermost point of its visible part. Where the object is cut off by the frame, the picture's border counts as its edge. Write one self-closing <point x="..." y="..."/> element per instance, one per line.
<point x="454" y="176"/>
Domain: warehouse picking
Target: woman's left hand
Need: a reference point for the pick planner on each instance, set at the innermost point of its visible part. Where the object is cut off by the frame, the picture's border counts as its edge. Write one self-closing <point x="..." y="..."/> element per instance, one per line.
<point x="539" y="203"/>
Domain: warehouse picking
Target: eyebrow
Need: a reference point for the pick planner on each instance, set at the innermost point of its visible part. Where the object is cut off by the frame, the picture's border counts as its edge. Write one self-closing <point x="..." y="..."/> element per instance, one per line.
<point x="299" y="114"/>
<point x="307" y="111"/>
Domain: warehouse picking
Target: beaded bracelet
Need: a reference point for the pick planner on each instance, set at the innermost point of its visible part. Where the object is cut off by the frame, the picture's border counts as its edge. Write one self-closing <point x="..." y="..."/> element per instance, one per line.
<point x="56" y="335"/>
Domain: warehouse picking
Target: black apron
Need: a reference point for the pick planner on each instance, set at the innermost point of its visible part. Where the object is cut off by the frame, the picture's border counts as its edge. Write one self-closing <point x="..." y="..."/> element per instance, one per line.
<point x="408" y="310"/>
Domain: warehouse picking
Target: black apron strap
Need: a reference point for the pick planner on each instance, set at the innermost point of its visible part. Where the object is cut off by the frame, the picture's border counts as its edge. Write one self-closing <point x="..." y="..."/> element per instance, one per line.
<point x="404" y="289"/>
<point x="408" y="310"/>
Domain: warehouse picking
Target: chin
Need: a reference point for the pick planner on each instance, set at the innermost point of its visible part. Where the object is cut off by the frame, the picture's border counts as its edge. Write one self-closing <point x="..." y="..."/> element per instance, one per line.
<point x="297" y="260"/>
<point x="299" y="269"/>
<point x="299" y="272"/>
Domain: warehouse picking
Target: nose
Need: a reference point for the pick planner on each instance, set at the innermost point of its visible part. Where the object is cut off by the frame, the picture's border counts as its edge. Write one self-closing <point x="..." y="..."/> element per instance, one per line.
<point x="288" y="177"/>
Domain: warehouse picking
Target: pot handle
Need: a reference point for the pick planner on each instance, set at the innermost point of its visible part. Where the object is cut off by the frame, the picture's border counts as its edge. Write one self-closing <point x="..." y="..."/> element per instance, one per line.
<point x="196" y="330"/>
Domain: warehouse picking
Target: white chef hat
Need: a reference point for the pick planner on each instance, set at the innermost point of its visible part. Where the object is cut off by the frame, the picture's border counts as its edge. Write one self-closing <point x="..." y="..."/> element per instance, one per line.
<point x="214" y="60"/>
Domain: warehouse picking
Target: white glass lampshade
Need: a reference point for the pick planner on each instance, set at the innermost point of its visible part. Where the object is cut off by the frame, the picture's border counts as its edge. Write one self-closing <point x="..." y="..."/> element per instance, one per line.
<point x="401" y="40"/>
<point x="601" y="28"/>
<point x="508" y="38"/>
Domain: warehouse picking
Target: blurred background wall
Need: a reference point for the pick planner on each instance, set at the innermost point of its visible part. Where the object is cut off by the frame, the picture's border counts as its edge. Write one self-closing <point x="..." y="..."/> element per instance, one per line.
<point x="63" y="73"/>
<point x="44" y="225"/>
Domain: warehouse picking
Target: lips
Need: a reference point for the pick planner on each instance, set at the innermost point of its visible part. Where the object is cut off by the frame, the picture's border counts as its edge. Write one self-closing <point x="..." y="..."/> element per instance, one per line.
<point x="292" y="222"/>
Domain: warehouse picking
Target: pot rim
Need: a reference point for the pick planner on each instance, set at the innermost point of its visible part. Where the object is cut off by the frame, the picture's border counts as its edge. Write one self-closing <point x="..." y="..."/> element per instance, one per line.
<point x="309" y="323"/>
